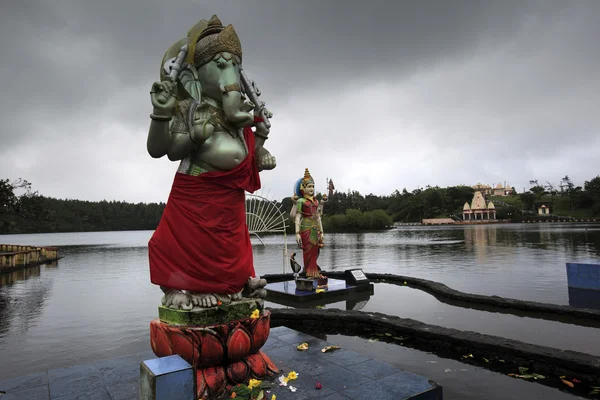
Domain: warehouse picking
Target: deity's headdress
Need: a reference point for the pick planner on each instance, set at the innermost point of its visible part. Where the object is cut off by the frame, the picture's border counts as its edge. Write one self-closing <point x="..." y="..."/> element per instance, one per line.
<point x="205" y="40"/>
<point x="302" y="183"/>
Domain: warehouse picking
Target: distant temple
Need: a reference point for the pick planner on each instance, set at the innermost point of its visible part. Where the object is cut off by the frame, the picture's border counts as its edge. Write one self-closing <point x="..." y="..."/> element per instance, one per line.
<point x="479" y="209"/>
<point x="498" y="190"/>
<point x="544" y="208"/>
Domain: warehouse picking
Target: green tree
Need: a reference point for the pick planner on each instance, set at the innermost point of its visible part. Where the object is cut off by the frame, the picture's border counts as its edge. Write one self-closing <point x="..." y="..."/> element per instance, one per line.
<point x="528" y="200"/>
<point x="592" y="188"/>
<point x="537" y="189"/>
<point x="28" y="206"/>
<point x="568" y="187"/>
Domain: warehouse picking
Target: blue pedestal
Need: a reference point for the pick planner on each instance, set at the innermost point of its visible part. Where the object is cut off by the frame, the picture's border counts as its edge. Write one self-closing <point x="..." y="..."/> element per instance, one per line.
<point x="583" y="276"/>
<point x="166" y="378"/>
<point x="584" y="298"/>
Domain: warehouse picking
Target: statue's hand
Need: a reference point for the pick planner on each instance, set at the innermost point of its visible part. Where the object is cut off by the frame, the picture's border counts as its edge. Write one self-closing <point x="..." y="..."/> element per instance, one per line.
<point x="299" y="239"/>
<point x="265" y="160"/>
<point x="163" y="96"/>
<point x="261" y="129"/>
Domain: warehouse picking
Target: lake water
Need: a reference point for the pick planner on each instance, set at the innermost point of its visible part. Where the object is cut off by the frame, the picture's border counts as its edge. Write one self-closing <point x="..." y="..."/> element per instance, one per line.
<point x="97" y="301"/>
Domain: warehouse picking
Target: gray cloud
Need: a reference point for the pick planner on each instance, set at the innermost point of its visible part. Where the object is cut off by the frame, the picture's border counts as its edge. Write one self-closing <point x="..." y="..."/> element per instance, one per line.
<point x="377" y="95"/>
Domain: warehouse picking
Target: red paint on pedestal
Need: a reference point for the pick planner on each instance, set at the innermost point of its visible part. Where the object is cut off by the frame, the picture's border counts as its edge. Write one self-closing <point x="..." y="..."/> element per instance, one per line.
<point x="223" y="355"/>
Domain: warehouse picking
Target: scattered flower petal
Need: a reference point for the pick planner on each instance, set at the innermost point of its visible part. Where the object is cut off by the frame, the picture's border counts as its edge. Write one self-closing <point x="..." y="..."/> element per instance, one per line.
<point x="318" y="385"/>
<point x="329" y="348"/>
<point x="255" y="314"/>
<point x="566" y="382"/>
<point x="292" y="375"/>
<point x="253" y="383"/>
<point x="302" y="347"/>
<point x="283" y="380"/>
<point x="293" y="389"/>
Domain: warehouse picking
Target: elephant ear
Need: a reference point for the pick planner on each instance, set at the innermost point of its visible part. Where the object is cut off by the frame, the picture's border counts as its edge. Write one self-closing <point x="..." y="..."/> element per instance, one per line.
<point x="190" y="83"/>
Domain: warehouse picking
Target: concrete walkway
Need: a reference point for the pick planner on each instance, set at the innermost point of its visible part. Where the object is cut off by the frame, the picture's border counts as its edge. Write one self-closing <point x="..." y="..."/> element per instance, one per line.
<point x="343" y="374"/>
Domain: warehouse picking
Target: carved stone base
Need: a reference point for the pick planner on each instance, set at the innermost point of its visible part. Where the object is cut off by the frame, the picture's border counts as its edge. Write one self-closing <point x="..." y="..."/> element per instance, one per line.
<point x="223" y="354"/>
<point x="236" y="310"/>
<point x="213" y="382"/>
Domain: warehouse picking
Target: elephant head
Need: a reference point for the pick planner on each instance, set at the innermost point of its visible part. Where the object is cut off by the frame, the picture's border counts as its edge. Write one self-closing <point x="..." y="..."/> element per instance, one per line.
<point x="218" y="57"/>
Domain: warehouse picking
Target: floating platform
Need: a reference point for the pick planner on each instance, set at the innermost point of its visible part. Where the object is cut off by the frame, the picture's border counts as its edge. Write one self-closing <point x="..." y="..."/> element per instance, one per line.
<point x="343" y="374"/>
<point x="286" y="293"/>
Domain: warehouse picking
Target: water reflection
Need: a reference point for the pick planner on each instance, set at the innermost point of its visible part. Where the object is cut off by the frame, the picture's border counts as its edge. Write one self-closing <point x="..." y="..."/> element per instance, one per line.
<point x="330" y="254"/>
<point x="22" y="297"/>
<point x="7" y="278"/>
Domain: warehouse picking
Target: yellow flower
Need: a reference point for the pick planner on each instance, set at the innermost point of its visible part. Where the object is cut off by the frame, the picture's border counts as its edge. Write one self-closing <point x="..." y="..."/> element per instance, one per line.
<point x="273" y="397"/>
<point x="255" y="314"/>
<point x="292" y="375"/>
<point x="253" y="383"/>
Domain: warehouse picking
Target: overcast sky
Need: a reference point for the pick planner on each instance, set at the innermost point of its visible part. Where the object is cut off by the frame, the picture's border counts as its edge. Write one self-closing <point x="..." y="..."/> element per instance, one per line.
<point x="377" y="95"/>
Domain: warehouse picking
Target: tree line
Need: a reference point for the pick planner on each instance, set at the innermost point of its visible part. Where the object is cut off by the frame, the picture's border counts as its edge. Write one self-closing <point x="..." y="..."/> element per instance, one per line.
<point x="351" y="211"/>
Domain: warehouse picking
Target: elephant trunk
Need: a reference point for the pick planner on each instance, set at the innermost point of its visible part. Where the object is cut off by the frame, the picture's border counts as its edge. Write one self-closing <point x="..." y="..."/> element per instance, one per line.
<point x="232" y="104"/>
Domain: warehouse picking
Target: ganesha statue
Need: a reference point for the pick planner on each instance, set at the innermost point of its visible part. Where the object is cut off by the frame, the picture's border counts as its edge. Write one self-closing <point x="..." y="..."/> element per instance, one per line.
<point x="207" y="115"/>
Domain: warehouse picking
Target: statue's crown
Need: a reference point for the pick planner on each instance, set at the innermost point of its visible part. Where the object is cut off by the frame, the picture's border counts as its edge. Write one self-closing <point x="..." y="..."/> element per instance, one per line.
<point x="307" y="177"/>
<point x="214" y="26"/>
<point x="212" y="40"/>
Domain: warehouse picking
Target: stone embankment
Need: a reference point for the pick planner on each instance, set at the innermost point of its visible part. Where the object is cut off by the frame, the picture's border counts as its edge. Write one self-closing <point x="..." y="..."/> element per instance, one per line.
<point x="17" y="256"/>
<point x="522" y="308"/>
<point x="491" y="352"/>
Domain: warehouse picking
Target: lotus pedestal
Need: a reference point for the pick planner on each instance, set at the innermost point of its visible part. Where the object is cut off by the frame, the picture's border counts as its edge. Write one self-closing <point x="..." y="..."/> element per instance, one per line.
<point x="224" y="353"/>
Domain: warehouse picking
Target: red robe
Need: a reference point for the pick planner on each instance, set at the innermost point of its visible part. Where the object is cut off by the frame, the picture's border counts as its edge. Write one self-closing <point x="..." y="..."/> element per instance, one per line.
<point x="310" y="234"/>
<point x="202" y="242"/>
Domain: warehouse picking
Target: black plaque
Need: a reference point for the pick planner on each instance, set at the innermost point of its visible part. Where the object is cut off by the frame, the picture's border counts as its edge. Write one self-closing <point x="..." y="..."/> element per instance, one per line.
<point x="356" y="277"/>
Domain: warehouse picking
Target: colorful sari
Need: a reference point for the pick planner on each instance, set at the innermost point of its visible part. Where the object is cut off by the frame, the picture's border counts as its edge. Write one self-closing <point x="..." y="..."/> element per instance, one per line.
<point x="310" y="233"/>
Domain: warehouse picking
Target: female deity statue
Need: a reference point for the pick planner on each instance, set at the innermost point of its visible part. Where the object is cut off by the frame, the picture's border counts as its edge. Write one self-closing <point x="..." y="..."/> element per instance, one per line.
<point x="307" y="218"/>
